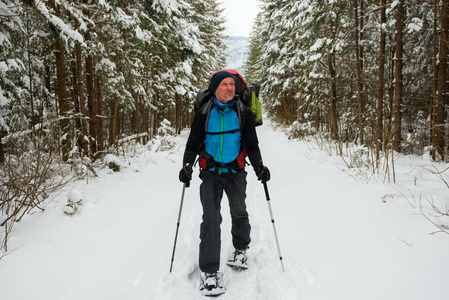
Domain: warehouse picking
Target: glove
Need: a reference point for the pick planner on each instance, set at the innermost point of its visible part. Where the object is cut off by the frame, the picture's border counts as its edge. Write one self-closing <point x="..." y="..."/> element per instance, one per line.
<point x="185" y="175"/>
<point x="262" y="173"/>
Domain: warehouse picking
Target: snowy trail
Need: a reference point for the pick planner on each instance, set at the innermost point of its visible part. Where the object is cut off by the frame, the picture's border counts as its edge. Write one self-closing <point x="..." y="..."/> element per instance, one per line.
<point x="339" y="240"/>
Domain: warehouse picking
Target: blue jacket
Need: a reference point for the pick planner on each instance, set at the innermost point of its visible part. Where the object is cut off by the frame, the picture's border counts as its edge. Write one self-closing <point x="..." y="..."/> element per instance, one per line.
<point x="223" y="147"/>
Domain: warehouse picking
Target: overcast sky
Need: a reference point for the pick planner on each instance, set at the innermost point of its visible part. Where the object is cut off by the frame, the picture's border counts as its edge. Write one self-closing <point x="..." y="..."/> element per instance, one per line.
<point x="240" y="15"/>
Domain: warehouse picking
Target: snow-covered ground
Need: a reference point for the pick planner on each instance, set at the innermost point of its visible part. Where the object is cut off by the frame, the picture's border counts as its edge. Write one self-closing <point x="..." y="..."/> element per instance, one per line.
<point x="341" y="239"/>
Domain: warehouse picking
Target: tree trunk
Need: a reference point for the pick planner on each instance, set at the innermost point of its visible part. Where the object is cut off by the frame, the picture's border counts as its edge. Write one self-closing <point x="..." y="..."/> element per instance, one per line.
<point x="156" y="114"/>
<point x="112" y="121"/>
<point x="63" y="103"/>
<point x="118" y="120"/>
<point x="381" y="80"/>
<point x="332" y="85"/>
<point x="144" y="123"/>
<point x="34" y="121"/>
<point x="75" y="95"/>
<point x="99" y="123"/>
<point x="390" y="91"/>
<point x="358" y="50"/>
<point x="91" y="106"/>
<point x="332" y="96"/>
<point x="398" y="85"/>
<point x="442" y="77"/>
<point x="82" y="98"/>
<point x="435" y="77"/>
<point x="178" y="115"/>
<point x="135" y="115"/>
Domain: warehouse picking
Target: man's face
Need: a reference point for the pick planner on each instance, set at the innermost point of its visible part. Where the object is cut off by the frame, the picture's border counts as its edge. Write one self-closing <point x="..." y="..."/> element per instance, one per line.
<point x="226" y="90"/>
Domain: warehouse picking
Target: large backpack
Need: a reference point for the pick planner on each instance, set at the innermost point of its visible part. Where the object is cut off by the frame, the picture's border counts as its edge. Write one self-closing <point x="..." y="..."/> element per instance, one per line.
<point x="247" y="92"/>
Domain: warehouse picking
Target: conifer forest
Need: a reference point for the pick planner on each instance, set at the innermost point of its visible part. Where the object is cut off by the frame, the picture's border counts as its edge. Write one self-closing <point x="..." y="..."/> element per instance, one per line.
<point x="370" y="72"/>
<point x="81" y="78"/>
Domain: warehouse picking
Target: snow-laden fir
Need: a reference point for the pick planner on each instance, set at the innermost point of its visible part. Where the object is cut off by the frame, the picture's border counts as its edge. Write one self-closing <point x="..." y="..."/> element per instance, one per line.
<point x="341" y="239"/>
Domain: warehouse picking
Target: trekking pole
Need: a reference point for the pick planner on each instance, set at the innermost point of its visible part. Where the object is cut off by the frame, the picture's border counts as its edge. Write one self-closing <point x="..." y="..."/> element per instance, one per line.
<point x="177" y="225"/>
<point x="272" y="222"/>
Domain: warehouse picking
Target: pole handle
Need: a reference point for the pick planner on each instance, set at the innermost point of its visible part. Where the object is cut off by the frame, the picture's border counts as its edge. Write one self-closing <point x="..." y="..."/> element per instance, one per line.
<point x="267" y="195"/>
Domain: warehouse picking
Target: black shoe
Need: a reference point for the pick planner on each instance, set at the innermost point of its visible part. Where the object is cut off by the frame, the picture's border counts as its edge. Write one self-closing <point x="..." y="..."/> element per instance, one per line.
<point x="211" y="284"/>
<point x="238" y="259"/>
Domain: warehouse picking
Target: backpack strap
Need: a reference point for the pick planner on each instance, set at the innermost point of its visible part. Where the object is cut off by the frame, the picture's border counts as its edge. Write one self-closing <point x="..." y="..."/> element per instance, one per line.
<point x="205" y="111"/>
<point x="241" y="113"/>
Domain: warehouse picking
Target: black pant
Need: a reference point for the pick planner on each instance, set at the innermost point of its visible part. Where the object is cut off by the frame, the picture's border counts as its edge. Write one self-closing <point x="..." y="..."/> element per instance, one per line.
<point x="210" y="234"/>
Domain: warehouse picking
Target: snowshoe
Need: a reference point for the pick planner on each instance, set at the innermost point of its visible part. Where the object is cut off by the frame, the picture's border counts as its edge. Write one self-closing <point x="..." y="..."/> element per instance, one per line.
<point x="211" y="284"/>
<point x="238" y="260"/>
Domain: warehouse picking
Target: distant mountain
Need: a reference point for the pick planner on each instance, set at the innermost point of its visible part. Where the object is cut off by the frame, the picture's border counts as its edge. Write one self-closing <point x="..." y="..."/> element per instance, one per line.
<point x="238" y="48"/>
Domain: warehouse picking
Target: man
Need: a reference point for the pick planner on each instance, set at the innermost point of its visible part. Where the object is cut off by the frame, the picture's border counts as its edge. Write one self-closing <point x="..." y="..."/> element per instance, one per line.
<point x="222" y="132"/>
